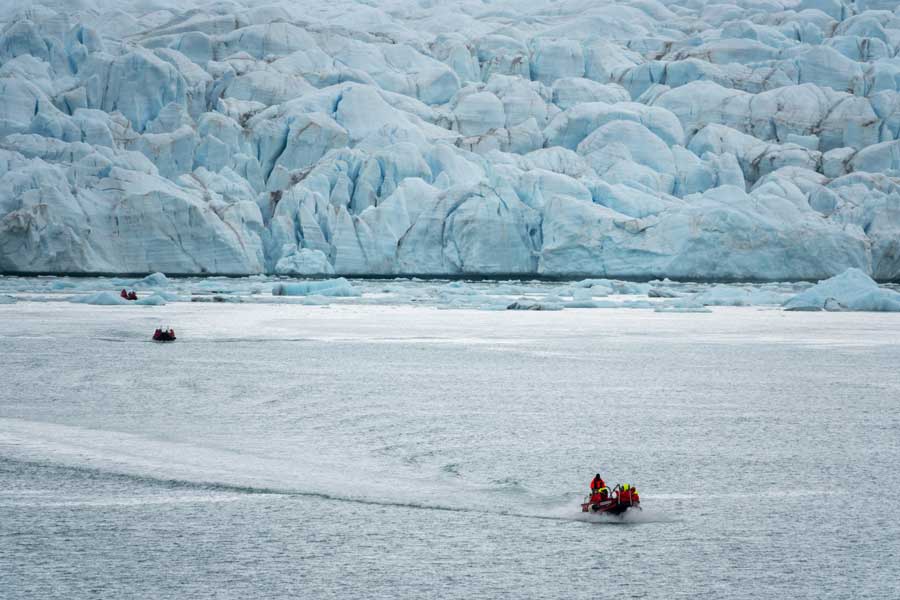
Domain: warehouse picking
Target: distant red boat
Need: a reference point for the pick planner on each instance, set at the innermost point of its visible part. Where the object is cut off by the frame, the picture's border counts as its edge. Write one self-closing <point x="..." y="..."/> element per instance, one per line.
<point x="164" y="335"/>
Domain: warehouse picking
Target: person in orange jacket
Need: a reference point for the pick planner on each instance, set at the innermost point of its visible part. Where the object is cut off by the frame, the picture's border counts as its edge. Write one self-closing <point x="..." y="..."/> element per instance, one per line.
<point x="599" y="491"/>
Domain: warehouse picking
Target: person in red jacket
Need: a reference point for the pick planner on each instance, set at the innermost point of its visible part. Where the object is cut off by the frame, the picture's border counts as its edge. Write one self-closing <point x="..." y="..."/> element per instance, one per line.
<point x="124" y="294"/>
<point x="599" y="491"/>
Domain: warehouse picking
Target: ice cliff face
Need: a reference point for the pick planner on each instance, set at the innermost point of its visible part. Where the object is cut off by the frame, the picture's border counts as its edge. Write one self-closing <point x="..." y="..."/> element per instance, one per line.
<point x="681" y="138"/>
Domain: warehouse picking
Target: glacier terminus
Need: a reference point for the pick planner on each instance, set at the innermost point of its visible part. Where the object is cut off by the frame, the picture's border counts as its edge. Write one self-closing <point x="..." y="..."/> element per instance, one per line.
<point x="754" y="140"/>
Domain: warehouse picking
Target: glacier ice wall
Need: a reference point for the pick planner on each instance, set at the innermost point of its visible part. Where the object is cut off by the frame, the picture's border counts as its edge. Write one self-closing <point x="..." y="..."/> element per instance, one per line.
<point x="757" y="139"/>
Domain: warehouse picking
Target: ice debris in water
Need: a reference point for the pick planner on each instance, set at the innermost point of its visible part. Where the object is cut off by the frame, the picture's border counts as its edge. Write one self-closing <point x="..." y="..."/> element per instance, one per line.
<point x="114" y="299"/>
<point x="154" y="280"/>
<point x="661" y="292"/>
<point x="525" y="304"/>
<point x="851" y="290"/>
<point x="457" y="294"/>
<point x="151" y="300"/>
<point x="339" y="287"/>
<point x="103" y="299"/>
<point x="688" y="308"/>
<point x="758" y="141"/>
<point x="471" y="295"/>
<point x="732" y="295"/>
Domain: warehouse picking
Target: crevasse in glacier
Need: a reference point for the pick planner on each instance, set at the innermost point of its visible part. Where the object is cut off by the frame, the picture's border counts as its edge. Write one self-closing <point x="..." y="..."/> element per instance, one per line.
<point x="666" y="138"/>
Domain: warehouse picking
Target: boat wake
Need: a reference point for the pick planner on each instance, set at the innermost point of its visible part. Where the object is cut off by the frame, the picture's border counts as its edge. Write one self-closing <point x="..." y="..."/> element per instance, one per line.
<point x="181" y="467"/>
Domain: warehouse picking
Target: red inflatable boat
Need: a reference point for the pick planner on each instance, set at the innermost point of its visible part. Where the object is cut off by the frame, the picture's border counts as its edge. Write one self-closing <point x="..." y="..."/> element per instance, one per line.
<point x="623" y="498"/>
<point x="164" y="335"/>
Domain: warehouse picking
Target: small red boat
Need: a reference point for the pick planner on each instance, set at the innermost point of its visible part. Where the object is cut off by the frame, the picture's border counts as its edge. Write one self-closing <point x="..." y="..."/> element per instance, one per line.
<point x="623" y="498"/>
<point x="164" y="335"/>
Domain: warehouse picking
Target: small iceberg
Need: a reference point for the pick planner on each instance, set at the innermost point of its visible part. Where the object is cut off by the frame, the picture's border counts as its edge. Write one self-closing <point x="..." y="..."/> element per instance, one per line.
<point x="339" y="287"/>
<point x="852" y="290"/>
<point x="153" y="280"/>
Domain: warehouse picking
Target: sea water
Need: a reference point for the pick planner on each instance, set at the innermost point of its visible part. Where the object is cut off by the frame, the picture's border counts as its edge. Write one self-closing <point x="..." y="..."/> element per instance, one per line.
<point x="366" y="451"/>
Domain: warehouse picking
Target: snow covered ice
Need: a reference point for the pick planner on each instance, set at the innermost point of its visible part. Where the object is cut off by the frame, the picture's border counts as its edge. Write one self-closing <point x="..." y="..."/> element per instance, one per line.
<point x="751" y="141"/>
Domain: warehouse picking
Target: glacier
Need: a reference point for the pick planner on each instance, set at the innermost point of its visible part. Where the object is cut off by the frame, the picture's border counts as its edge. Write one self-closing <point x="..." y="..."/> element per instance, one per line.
<point x="754" y="140"/>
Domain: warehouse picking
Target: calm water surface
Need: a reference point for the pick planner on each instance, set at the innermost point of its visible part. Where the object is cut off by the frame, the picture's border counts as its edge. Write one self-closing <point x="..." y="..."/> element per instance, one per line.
<point x="384" y="452"/>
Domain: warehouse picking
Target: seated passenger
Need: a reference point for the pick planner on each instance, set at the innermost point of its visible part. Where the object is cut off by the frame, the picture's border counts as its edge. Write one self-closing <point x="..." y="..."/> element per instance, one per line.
<point x="124" y="294"/>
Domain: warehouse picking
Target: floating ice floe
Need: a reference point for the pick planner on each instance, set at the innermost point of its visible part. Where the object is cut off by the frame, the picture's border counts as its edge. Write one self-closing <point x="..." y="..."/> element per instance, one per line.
<point x="339" y="287"/>
<point x="731" y="295"/>
<point x="102" y="299"/>
<point x="114" y="299"/>
<point x="661" y="292"/>
<point x="525" y="304"/>
<point x="672" y="308"/>
<point x="151" y="300"/>
<point x="217" y="298"/>
<point x="851" y="290"/>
